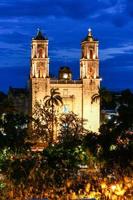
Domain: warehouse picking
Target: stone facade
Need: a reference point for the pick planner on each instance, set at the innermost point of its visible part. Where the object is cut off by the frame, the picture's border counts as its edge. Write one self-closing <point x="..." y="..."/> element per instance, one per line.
<point x="76" y="94"/>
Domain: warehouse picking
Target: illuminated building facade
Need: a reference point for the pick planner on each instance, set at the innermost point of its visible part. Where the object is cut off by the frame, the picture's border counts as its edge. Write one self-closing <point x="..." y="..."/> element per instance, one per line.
<point x="76" y="94"/>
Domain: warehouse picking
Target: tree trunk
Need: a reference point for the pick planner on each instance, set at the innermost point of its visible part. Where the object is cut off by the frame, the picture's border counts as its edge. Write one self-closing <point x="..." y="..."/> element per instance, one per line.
<point x="52" y="123"/>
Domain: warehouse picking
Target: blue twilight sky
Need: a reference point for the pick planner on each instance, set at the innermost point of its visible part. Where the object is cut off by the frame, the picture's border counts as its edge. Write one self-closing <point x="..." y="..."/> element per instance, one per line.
<point x="66" y="23"/>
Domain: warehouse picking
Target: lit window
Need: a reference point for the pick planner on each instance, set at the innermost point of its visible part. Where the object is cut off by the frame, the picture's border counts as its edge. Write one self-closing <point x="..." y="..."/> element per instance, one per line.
<point x="65" y="109"/>
<point x="65" y="75"/>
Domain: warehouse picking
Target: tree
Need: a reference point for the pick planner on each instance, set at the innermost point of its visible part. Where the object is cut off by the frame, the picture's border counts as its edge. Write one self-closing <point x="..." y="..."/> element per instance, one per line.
<point x="103" y="95"/>
<point x="126" y="97"/>
<point x="3" y="96"/>
<point x="115" y="142"/>
<point x="42" y="169"/>
<point x="13" y="131"/>
<point x="68" y="154"/>
<point x="71" y="129"/>
<point x="41" y="129"/>
<point x="64" y="161"/>
<point x="52" y="100"/>
<point x="6" y="105"/>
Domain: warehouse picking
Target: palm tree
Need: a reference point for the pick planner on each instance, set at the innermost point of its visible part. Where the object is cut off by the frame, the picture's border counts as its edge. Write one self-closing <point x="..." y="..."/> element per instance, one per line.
<point x="52" y="100"/>
<point x="103" y="95"/>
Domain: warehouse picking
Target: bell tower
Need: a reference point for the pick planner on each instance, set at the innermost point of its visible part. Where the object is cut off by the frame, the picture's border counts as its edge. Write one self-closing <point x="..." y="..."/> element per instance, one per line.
<point x="89" y="75"/>
<point x="39" y="57"/>
<point x="39" y="71"/>
<point x="89" y="62"/>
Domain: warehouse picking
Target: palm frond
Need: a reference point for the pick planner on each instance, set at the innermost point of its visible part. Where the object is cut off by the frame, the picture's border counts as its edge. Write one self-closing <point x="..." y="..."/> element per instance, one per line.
<point x="46" y="97"/>
<point x="54" y="98"/>
<point x="59" y="98"/>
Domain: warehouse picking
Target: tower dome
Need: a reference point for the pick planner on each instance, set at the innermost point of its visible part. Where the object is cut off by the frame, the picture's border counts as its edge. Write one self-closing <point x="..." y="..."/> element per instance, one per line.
<point x="65" y="73"/>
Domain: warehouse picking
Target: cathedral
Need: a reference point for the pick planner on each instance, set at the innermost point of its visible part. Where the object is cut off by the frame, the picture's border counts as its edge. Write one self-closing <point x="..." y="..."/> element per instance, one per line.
<point x="76" y="94"/>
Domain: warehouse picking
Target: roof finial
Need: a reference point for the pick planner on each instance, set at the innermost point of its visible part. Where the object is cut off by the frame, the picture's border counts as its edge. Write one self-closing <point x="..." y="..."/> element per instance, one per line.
<point x="38" y="30"/>
<point x="89" y="32"/>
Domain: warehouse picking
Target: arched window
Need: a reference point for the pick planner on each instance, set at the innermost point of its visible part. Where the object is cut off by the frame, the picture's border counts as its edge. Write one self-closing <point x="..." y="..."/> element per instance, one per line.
<point x="40" y="53"/>
<point x="91" y="54"/>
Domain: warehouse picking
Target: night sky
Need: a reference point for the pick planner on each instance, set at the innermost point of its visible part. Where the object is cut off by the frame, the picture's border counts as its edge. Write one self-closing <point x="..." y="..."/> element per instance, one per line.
<point x="66" y="23"/>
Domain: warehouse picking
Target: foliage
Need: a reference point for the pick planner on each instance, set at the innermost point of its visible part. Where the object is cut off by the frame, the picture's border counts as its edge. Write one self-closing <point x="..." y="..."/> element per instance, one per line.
<point x="45" y="117"/>
<point x="64" y="161"/>
<point x="64" y="157"/>
<point x="112" y="145"/>
<point x="20" y="169"/>
<point x="126" y="97"/>
<point x="60" y="162"/>
<point x="103" y="95"/>
<point x="41" y="123"/>
<point x="54" y="99"/>
<point x="13" y="131"/>
<point x="51" y="101"/>
<point x="71" y="129"/>
<point x="3" y="96"/>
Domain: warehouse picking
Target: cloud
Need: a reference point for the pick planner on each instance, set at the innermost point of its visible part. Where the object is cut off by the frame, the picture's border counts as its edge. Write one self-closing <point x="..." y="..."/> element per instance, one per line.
<point x="119" y="13"/>
<point x="10" y="47"/>
<point x="13" y="38"/>
<point x="110" y="53"/>
<point x="72" y="54"/>
<point x="80" y="9"/>
<point x="115" y="11"/>
<point x="13" y="55"/>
